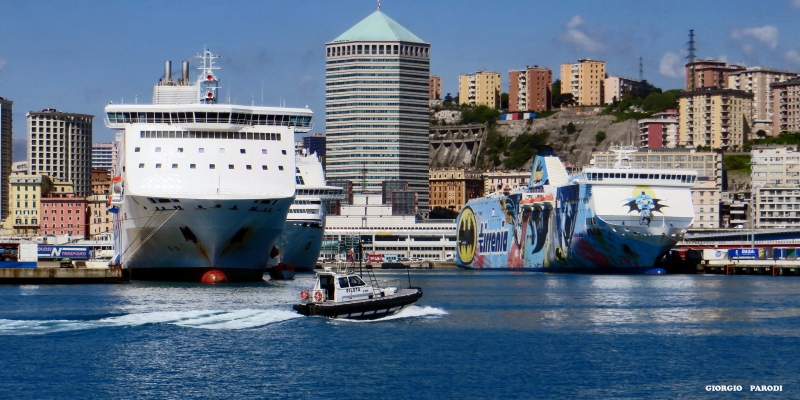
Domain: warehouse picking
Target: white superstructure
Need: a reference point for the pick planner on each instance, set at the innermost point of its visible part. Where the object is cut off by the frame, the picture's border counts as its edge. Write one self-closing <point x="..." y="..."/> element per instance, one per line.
<point x="300" y="243"/>
<point x="201" y="186"/>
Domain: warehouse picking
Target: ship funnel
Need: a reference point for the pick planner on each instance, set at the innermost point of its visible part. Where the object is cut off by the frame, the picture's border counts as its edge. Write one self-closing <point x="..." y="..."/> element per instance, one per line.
<point x="185" y="72"/>
<point x="167" y="71"/>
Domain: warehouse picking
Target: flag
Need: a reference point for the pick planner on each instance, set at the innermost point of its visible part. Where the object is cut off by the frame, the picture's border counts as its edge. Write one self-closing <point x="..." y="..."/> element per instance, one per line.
<point x="379" y="4"/>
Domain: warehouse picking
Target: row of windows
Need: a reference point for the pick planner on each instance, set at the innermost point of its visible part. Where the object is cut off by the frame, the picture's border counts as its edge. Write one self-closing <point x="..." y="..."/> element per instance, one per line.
<point x="392" y="82"/>
<point x="596" y="176"/>
<point x="380" y="74"/>
<point x="209" y="135"/>
<point x="318" y="192"/>
<point x="214" y="166"/>
<point x="405" y="50"/>
<point x="403" y="134"/>
<point x="208" y="117"/>
<point x="377" y="148"/>
<point x="401" y="141"/>
<point x="375" y="170"/>
<point x="399" y="67"/>
<point x="371" y="96"/>
<point x="378" y="89"/>
<point x="378" y="104"/>
<point x="333" y="156"/>
<point x="420" y="120"/>
<point x="405" y="163"/>
<point x="377" y="112"/>
<point x="389" y="60"/>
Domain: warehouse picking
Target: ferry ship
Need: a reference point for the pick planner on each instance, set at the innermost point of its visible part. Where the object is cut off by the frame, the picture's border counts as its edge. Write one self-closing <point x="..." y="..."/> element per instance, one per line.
<point x="603" y="220"/>
<point x="200" y="186"/>
<point x="301" y="242"/>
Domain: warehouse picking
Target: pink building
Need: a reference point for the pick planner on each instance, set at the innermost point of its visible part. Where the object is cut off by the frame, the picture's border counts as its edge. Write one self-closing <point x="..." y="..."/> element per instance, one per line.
<point x="660" y="131"/>
<point x="63" y="215"/>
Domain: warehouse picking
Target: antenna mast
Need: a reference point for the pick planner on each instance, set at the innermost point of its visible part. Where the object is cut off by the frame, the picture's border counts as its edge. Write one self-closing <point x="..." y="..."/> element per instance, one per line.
<point x="641" y="70"/>
<point x="691" y="58"/>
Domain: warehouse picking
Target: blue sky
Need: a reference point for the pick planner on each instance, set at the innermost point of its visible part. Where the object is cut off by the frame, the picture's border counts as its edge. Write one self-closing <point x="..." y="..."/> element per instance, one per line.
<point x="78" y="56"/>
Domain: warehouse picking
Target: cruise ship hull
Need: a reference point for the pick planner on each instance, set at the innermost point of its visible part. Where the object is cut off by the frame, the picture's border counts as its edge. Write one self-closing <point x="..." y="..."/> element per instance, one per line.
<point x="582" y="228"/>
<point x="182" y="238"/>
<point x="300" y="244"/>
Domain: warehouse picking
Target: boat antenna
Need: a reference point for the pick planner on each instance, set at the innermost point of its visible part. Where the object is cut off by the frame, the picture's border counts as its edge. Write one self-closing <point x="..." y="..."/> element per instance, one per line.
<point x="360" y="257"/>
<point x="408" y="271"/>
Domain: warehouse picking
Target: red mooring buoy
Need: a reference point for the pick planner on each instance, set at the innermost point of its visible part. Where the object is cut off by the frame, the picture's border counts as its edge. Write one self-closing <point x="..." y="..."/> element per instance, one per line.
<point x="213" y="277"/>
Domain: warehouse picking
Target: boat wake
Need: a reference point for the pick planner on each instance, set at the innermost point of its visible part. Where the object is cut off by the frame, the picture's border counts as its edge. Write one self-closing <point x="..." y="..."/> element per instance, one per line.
<point x="408" y="312"/>
<point x="204" y="319"/>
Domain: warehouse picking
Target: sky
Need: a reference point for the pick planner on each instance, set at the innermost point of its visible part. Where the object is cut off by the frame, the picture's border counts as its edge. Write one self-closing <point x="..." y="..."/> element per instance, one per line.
<point x="77" y="56"/>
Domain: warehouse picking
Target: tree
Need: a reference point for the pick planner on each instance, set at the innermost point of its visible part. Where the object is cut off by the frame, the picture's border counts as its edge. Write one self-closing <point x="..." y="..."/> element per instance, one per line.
<point x="555" y="90"/>
<point x="570" y="128"/>
<point x="479" y="115"/>
<point x="504" y="101"/>
<point x="448" y="100"/>
<point x="599" y="137"/>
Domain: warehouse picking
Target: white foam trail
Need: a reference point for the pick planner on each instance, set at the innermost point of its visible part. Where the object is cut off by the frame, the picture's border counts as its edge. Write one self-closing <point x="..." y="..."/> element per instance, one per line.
<point x="205" y="319"/>
<point x="408" y="312"/>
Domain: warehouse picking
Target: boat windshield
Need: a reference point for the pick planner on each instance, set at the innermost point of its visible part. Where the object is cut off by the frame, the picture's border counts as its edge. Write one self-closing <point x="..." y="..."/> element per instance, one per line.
<point x="343" y="283"/>
<point x="356" y="281"/>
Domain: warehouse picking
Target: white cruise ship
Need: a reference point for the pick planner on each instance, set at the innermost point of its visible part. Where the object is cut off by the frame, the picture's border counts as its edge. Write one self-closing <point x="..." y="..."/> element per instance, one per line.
<point x="201" y="186"/>
<point x="301" y="242"/>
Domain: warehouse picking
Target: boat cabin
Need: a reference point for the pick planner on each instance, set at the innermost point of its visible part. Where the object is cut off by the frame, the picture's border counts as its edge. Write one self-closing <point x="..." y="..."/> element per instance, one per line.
<point x="333" y="286"/>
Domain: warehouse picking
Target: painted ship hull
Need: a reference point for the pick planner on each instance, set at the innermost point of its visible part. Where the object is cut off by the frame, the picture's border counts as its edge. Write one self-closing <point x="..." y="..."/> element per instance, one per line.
<point x="578" y="227"/>
<point x="300" y="244"/>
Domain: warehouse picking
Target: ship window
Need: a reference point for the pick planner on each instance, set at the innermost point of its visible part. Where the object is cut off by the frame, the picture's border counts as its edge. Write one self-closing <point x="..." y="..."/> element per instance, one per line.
<point x="283" y="152"/>
<point x="249" y="167"/>
<point x="616" y="175"/>
<point x="605" y="174"/>
<point x="141" y="165"/>
<point x="158" y="149"/>
<point x="280" y="167"/>
<point x="279" y="136"/>
<point x="174" y="165"/>
<point x="230" y="166"/>
<point x="192" y="166"/>
<point x="271" y="136"/>
<point x="263" y="151"/>
<point x="158" y="165"/>
<point x="136" y="149"/>
<point x="212" y="166"/>
<point x="264" y="167"/>
<point x="201" y="150"/>
<point x="180" y="149"/>
<point x="242" y="151"/>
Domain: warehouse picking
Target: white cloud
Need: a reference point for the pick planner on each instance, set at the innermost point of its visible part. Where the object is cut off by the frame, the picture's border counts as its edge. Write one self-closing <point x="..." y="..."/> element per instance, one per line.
<point x="792" y="55"/>
<point x="766" y="34"/>
<point x="723" y="58"/>
<point x="671" y="65"/>
<point x="577" y="21"/>
<point x="796" y="3"/>
<point x="579" y="39"/>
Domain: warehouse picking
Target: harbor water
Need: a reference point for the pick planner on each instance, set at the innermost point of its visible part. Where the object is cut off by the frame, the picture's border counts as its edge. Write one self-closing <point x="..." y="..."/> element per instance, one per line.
<point x="474" y="334"/>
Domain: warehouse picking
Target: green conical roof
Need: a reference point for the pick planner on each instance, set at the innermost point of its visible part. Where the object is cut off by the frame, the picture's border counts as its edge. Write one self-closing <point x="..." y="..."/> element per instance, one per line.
<point x="378" y="26"/>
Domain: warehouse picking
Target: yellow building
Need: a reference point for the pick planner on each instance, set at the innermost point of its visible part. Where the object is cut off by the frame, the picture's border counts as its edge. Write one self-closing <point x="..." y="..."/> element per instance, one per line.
<point x="25" y="194"/>
<point x="584" y="80"/>
<point x="480" y="89"/>
<point x="99" y="217"/>
<point x="452" y="188"/>
<point x="715" y="118"/>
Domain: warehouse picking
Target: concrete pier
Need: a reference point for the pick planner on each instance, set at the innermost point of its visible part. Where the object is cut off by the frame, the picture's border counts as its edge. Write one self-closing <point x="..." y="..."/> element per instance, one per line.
<point x="47" y="275"/>
<point x="750" y="267"/>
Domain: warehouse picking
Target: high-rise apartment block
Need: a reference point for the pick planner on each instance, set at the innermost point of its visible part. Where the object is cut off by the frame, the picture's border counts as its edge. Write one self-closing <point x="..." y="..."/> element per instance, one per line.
<point x="614" y="87"/>
<point x="435" y="88"/>
<point x="377" y="77"/>
<point x="709" y="73"/>
<point x="6" y="144"/>
<point x="315" y="144"/>
<point x="104" y="155"/>
<point x="60" y="145"/>
<point x="786" y="106"/>
<point x="452" y="188"/>
<point x="530" y="89"/>
<point x="480" y="89"/>
<point x="757" y="80"/>
<point x="659" y="131"/>
<point x="584" y="80"/>
<point x="775" y="175"/>
<point x="713" y="117"/>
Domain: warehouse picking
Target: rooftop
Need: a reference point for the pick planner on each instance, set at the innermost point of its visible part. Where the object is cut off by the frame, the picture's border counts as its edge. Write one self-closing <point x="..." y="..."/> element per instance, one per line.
<point x="378" y="26"/>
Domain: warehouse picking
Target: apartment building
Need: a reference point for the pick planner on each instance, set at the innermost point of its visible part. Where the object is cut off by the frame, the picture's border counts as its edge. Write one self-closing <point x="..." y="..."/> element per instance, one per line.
<point x="775" y="175"/>
<point x="500" y="180"/>
<point x="530" y="89"/>
<point x="435" y="88"/>
<point x="376" y="106"/>
<point x="26" y="193"/>
<point x="6" y="144"/>
<point x="659" y="131"/>
<point x="64" y="214"/>
<point x="713" y="117"/>
<point x="614" y="87"/>
<point x="60" y="145"/>
<point x="452" y="188"/>
<point x="786" y="106"/>
<point x="709" y="73"/>
<point x="584" y="80"/>
<point x="757" y="80"/>
<point x="104" y="155"/>
<point x="480" y="89"/>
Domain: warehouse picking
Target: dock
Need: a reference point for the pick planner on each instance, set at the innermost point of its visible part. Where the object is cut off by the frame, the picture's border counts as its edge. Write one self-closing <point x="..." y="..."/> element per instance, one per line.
<point x="55" y="275"/>
<point x="750" y="267"/>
